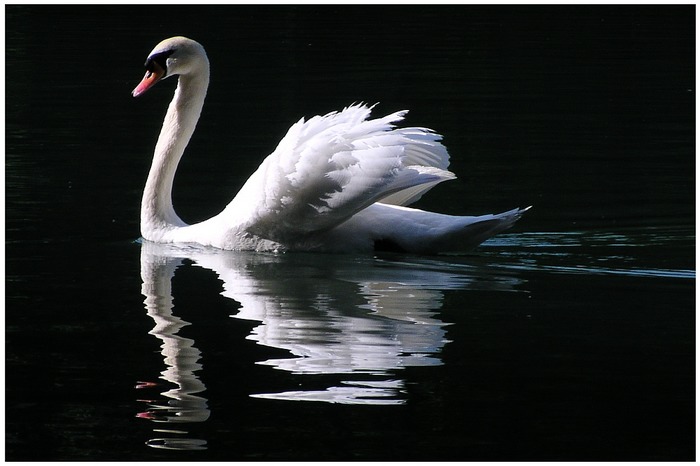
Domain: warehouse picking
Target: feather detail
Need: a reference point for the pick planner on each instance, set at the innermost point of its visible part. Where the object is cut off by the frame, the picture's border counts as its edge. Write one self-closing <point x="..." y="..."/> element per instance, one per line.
<point x="330" y="167"/>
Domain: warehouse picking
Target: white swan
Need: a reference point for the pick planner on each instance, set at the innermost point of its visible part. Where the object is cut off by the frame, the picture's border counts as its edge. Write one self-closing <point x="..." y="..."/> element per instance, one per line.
<point x="320" y="190"/>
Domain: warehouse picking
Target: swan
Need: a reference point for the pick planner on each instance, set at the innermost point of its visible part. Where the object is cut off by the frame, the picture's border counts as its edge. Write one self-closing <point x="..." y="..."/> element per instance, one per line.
<point x="335" y="183"/>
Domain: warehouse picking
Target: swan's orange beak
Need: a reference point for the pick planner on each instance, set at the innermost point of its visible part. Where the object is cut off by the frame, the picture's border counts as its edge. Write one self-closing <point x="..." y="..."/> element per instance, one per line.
<point x="152" y="76"/>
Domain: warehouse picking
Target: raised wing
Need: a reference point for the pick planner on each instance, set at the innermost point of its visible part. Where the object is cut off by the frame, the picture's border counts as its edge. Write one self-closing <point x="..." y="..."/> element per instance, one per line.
<point x="330" y="167"/>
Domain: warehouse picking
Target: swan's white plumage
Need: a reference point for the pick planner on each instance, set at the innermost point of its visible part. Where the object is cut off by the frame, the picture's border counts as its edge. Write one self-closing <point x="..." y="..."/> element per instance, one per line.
<point x="336" y="182"/>
<point x="329" y="168"/>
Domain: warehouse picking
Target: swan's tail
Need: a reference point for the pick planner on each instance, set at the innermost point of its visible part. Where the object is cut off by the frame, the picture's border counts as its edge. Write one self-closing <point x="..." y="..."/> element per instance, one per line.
<point x="475" y="232"/>
<point x="402" y="229"/>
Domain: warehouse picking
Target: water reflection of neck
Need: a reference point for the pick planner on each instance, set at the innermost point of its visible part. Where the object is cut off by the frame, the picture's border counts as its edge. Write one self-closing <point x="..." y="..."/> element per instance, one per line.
<point x="180" y="355"/>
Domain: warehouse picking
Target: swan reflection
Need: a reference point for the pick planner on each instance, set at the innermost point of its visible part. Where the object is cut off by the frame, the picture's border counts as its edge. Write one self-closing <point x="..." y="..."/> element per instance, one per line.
<point x="362" y="318"/>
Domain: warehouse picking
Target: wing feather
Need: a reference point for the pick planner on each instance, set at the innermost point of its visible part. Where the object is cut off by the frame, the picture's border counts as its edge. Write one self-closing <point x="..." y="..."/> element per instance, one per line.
<point x="330" y="167"/>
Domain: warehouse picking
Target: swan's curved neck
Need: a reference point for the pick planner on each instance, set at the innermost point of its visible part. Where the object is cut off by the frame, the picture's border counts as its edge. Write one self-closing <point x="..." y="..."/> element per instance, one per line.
<point x="158" y="216"/>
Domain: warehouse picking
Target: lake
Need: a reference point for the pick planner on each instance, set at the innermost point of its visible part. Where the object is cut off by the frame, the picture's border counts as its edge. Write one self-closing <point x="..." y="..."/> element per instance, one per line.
<point x="570" y="337"/>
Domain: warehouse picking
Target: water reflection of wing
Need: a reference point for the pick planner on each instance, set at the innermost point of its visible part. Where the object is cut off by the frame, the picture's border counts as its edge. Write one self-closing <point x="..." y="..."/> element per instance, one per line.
<point x="333" y="325"/>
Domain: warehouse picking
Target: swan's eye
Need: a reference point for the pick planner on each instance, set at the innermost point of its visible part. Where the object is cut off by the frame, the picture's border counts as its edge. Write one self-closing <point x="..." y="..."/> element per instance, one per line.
<point x="159" y="59"/>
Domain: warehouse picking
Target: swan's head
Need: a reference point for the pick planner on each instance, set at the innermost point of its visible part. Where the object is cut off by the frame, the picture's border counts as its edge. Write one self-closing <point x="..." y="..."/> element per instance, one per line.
<point x="174" y="56"/>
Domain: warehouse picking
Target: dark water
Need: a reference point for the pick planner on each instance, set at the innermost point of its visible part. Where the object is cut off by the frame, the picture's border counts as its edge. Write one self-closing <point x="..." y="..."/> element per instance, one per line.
<point x="572" y="337"/>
